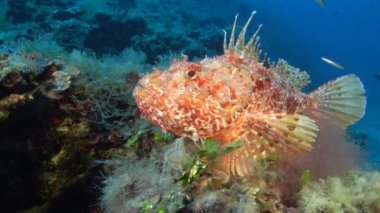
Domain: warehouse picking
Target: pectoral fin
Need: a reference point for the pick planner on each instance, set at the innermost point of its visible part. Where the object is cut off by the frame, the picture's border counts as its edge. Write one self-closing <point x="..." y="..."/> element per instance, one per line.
<point x="268" y="135"/>
<point x="283" y="132"/>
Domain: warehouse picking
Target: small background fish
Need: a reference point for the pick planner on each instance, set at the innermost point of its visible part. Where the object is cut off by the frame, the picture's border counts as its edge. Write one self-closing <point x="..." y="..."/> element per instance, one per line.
<point x="332" y="63"/>
<point x="320" y="2"/>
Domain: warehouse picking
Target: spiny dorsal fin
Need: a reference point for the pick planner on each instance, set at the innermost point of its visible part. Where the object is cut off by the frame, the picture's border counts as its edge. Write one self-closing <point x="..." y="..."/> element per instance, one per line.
<point x="232" y="38"/>
<point x="254" y="40"/>
<point x="240" y="40"/>
<point x="251" y="49"/>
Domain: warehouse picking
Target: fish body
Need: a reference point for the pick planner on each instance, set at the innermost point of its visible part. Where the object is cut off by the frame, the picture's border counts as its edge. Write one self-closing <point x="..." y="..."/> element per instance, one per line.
<point x="235" y="98"/>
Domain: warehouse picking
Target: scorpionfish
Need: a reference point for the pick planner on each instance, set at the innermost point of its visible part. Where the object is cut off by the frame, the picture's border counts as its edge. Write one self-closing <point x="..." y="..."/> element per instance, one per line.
<point x="236" y="97"/>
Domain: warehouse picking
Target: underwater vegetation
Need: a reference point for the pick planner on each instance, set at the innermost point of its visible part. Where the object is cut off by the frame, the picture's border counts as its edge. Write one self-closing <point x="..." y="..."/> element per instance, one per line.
<point x="168" y="187"/>
<point x="89" y="123"/>
<point x="356" y="192"/>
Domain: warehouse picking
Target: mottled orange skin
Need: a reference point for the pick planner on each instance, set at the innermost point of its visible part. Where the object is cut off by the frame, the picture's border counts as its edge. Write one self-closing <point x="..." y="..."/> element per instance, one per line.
<point x="219" y="100"/>
<point x="234" y="98"/>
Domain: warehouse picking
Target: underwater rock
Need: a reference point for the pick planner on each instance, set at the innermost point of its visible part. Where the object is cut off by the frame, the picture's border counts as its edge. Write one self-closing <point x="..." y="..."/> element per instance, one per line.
<point x="112" y="36"/>
<point x="11" y="101"/>
<point x="20" y="12"/>
<point x="63" y="15"/>
<point x="72" y="128"/>
<point x="140" y="25"/>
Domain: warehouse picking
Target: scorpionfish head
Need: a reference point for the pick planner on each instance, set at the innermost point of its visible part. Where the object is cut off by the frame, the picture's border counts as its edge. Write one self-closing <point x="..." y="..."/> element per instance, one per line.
<point x="195" y="100"/>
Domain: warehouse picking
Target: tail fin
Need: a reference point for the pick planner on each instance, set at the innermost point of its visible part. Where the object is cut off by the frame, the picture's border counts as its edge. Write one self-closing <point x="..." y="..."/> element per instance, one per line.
<point x="342" y="99"/>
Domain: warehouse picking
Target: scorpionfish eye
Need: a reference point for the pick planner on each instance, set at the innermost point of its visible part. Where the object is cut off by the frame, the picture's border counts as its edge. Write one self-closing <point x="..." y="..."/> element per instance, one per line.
<point x="192" y="69"/>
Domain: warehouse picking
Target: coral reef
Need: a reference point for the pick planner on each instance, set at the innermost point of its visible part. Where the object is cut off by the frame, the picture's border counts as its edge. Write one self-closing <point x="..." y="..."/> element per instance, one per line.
<point x="87" y="114"/>
<point x="110" y="26"/>
<point x="35" y="82"/>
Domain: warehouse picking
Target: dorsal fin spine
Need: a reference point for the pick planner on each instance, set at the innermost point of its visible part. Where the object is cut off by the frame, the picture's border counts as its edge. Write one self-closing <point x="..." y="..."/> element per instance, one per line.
<point x="225" y="41"/>
<point x="240" y="40"/>
<point x="253" y="39"/>
<point x="238" y="47"/>
<point x="232" y="38"/>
